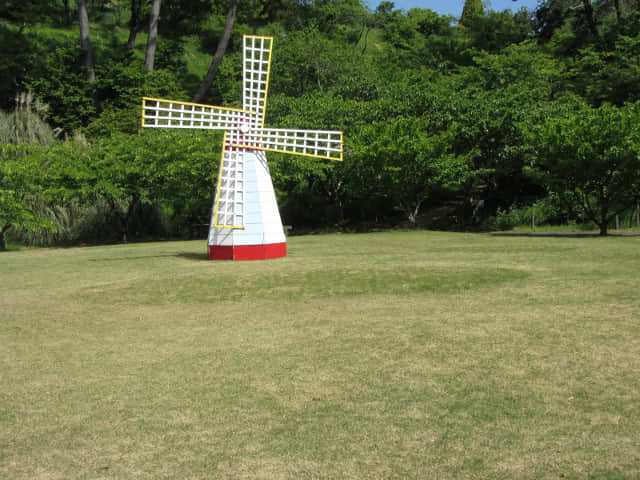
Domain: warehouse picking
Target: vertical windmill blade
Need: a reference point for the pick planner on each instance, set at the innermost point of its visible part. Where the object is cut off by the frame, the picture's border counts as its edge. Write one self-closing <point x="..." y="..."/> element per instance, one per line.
<point x="256" y="64"/>
<point x="229" y="209"/>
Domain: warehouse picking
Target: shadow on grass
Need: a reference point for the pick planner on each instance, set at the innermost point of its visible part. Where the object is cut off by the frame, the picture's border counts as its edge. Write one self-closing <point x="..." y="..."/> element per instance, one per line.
<point x="126" y="259"/>
<point x="193" y="256"/>
<point x="546" y="234"/>
<point x="563" y="234"/>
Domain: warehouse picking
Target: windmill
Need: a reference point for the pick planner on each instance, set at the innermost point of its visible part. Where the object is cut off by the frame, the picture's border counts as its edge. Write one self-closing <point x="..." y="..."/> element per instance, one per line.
<point x="245" y="221"/>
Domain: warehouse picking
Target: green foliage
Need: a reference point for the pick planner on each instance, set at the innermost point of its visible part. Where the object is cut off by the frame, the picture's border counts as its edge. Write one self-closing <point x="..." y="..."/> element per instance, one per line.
<point x="60" y="82"/>
<point x="31" y="11"/>
<point x="551" y="16"/>
<point x="170" y="170"/>
<point x="593" y="155"/>
<point x="116" y="189"/>
<point x="611" y="76"/>
<point x="471" y="11"/>
<point x="497" y="30"/>
<point x="21" y="186"/>
<point x="14" y="50"/>
<point x="435" y="115"/>
<point x="554" y="209"/>
<point x="399" y="162"/>
<point x="180" y="17"/>
<point x="307" y="60"/>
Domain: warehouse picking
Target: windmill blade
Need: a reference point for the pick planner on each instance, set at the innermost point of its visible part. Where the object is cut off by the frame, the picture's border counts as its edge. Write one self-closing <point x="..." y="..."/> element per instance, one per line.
<point x="256" y="65"/>
<point x="229" y="207"/>
<point x="311" y="143"/>
<point x="162" y="113"/>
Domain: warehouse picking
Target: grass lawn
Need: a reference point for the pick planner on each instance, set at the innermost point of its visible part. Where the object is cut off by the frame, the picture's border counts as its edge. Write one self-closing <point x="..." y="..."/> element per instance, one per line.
<point x="390" y="355"/>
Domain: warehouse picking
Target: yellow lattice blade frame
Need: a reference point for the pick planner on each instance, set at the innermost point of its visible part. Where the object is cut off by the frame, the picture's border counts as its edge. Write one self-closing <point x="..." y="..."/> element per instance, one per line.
<point x="256" y="70"/>
<point x="310" y="143"/>
<point x="219" y="193"/>
<point x="164" y="113"/>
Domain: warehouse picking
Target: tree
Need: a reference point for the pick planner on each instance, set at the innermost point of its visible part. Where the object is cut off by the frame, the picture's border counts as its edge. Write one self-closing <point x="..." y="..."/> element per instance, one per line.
<point x="406" y="164"/>
<point x="572" y="24"/>
<point x="606" y="75"/>
<point x="207" y="81"/>
<point x="590" y="18"/>
<point x="308" y="61"/>
<point x="496" y="30"/>
<point x="133" y="173"/>
<point x="471" y="10"/>
<point x="135" y="22"/>
<point x="85" y="40"/>
<point x="593" y="156"/>
<point x="153" y="35"/>
<point x="67" y="13"/>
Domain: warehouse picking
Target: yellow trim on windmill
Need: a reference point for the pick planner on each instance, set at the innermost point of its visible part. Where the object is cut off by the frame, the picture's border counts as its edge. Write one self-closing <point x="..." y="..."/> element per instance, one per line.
<point x="224" y="149"/>
<point x="240" y="110"/>
<point x="144" y="105"/>
<point x="267" y="149"/>
<point x="266" y="88"/>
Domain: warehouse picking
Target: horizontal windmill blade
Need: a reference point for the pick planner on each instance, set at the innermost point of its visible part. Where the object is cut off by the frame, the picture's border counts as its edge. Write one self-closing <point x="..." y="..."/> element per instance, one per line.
<point x="162" y="113"/>
<point x="312" y="143"/>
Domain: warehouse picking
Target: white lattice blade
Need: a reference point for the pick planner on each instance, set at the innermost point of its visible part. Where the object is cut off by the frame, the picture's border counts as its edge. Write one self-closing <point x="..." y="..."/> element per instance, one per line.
<point x="229" y="207"/>
<point x="256" y="61"/>
<point x="162" y="113"/>
<point x="312" y="143"/>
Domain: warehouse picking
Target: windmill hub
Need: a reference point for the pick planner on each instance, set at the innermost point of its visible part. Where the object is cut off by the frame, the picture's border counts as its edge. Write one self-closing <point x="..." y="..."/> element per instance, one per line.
<point x="244" y="128"/>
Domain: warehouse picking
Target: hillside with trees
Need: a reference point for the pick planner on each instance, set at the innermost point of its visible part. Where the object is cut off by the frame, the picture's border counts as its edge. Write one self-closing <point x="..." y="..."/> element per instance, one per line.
<point x="470" y="123"/>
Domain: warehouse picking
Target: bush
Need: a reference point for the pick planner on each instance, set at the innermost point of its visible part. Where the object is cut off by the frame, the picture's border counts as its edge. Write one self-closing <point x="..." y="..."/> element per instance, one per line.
<point x="547" y="211"/>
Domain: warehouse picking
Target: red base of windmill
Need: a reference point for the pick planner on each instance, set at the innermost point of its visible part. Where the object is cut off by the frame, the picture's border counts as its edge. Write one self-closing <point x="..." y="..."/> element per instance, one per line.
<point x="247" y="252"/>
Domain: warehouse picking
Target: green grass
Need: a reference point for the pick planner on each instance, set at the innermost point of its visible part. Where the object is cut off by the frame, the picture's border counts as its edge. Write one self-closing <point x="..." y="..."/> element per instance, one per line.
<point x="391" y="355"/>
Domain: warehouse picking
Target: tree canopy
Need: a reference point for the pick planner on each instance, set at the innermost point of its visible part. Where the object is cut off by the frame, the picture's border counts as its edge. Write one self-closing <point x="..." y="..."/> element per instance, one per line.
<point x="456" y="123"/>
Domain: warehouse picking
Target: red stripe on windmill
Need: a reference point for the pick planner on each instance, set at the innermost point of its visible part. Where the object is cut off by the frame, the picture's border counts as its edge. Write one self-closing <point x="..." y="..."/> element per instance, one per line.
<point x="245" y="221"/>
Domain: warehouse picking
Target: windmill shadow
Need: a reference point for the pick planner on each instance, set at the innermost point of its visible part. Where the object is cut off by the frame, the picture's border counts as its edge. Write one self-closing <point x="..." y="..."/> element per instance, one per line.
<point x="196" y="257"/>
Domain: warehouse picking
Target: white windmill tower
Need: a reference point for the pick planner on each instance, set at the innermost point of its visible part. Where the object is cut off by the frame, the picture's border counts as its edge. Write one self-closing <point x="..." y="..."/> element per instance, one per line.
<point x="245" y="222"/>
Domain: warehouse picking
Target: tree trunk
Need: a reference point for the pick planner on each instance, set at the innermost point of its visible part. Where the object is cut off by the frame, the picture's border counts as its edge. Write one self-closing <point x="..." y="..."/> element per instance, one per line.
<point x="217" y="58"/>
<point x="85" y="39"/>
<point x="411" y="211"/>
<point x="153" y="35"/>
<point x="131" y="41"/>
<point x="603" y="229"/>
<point x="618" y="13"/>
<point x="3" y="230"/>
<point x="333" y="189"/>
<point x="134" y="24"/>
<point x="591" y="21"/>
<point x="67" y="13"/>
